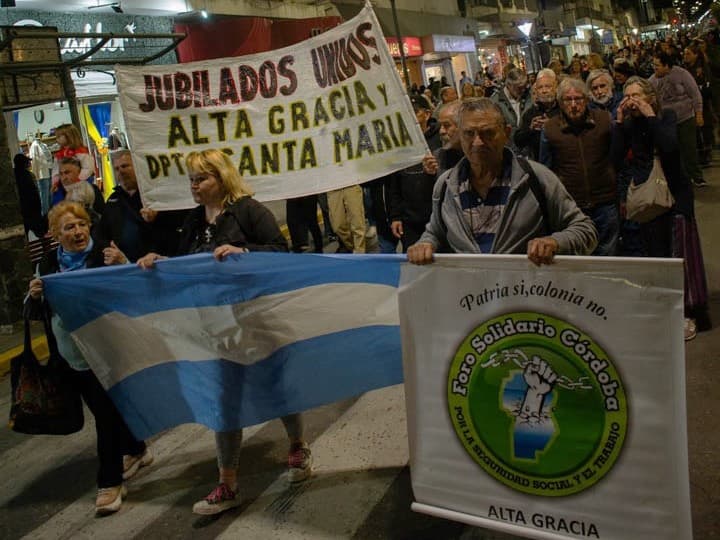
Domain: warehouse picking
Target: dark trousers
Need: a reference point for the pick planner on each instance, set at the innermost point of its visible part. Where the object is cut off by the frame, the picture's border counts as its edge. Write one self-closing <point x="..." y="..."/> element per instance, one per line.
<point x="657" y="235"/>
<point x="323" y="204"/>
<point x="687" y="137"/>
<point x="301" y="214"/>
<point x="411" y="234"/>
<point x="606" y="219"/>
<point x="113" y="436"/>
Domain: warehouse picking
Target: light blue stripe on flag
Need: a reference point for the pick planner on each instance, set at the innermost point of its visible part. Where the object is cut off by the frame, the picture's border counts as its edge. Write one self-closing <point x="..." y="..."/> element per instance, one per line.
<point x="199" y="280"/>
<point x="234" y="343"/>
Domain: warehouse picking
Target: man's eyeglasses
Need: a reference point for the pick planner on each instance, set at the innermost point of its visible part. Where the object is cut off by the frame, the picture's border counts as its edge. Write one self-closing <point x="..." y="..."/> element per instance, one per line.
<point x="573" y="99"/>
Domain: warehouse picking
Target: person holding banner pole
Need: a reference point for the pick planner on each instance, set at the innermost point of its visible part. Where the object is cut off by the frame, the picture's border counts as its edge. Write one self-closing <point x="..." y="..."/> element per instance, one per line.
<point x="135" y="229"/>
<point x="229" y="221"/>
<point x="450" y="153"/>
<point x="495" y="202"/>
<point x="409" y="194"/>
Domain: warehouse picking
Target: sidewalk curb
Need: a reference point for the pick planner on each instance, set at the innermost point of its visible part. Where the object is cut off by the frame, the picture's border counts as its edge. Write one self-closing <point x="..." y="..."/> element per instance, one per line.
<point x="39" y="347"/>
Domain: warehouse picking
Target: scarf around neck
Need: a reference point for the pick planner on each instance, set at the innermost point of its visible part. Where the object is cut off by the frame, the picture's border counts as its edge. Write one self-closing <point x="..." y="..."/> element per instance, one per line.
<point x="70" y="261"/>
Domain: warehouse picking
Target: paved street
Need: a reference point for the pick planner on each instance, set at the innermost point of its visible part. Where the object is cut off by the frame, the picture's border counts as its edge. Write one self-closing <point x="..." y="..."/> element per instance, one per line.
<point x="361" y="487"/>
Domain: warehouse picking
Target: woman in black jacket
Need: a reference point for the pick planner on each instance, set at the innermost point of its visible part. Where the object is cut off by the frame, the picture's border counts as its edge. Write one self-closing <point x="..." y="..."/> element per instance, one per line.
<point x="643" y="131"/>
<point x="229" y="221"/>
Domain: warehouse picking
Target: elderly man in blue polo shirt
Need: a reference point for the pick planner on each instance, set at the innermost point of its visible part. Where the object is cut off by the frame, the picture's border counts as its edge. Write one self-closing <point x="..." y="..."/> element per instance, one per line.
<point x="491" y="202"/>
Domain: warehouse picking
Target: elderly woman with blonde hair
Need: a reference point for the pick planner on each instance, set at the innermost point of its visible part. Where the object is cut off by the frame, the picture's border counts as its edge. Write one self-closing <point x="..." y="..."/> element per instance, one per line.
<point x="120" y="454"/>
<point x="229" y="221"/>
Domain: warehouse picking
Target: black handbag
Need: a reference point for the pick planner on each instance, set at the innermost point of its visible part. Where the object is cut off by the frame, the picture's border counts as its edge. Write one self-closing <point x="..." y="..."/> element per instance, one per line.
<point x="44" y="399"/>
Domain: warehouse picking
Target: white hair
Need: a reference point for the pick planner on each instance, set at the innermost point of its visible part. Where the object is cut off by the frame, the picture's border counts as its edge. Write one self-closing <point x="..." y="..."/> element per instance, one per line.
<point x="80" y="192"/>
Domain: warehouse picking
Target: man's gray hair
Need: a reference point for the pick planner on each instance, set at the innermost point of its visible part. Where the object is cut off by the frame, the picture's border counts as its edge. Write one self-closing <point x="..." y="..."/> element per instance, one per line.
<point x="516" y="77"/>
<point x="481" y="105"/>
<point x="453" y="107"/>
<point x="570" y="83"/>
<point x="596" y="74"/>
<point x="547" y="73"/>
<point x="120" y="152"/>
<point x="81" y="192"/>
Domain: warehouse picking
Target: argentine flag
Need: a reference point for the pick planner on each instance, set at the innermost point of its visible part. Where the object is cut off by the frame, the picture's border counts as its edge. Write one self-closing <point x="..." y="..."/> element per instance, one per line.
<point x="234" y="343"/>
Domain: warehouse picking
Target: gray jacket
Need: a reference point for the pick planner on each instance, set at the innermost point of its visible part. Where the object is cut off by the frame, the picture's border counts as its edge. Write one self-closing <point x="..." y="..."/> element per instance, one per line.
<point x="678" y="91"/>
<point x="521" y="220"/>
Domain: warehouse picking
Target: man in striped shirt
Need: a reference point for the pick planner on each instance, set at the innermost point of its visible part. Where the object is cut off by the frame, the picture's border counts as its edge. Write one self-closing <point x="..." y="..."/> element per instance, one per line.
<point x="491" y="202"/>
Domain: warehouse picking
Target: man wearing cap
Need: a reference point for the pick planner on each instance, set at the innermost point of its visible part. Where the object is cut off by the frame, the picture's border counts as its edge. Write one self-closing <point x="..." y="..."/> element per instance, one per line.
<point x="409" y="194"/>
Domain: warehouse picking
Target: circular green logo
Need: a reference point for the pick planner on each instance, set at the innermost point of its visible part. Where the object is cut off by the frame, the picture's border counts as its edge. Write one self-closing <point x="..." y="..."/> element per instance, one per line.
<point x="537" y="404"/>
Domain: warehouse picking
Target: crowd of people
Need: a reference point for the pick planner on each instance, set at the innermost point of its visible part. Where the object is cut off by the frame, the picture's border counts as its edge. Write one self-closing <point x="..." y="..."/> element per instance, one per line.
<point x="538" y="165"/>
<point x="600" y="125"/>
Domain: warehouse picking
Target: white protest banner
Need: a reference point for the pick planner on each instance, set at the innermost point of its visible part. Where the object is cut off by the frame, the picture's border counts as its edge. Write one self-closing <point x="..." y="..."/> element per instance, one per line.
<point x="548" y="402"/>
<point x="320" y="115"/>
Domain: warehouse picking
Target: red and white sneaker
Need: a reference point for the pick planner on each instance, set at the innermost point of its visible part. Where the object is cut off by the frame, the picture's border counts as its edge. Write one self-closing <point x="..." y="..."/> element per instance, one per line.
<point x="299" y="462"/>
<point x="220" y="499"/>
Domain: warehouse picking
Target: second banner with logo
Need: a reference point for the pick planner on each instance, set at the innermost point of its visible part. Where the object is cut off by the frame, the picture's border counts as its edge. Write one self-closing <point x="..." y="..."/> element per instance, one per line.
<point x="549" y="401"/>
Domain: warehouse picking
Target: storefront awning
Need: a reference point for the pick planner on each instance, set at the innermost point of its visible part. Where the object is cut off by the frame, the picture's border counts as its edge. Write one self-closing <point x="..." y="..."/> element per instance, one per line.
<point x="92" y="83"/>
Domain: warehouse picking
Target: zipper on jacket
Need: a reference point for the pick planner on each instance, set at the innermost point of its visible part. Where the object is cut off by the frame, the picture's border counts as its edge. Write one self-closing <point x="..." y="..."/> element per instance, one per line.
<point x="585" y="173"/>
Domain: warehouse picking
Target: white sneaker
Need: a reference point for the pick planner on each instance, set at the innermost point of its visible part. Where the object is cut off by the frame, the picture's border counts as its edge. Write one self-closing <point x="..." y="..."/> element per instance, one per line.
<point x="132" y="464"/>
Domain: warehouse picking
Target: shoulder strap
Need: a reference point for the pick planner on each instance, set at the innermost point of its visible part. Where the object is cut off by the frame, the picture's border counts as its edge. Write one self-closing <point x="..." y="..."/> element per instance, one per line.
<point x="537" y="190"/>
<point x="443" y="190"/>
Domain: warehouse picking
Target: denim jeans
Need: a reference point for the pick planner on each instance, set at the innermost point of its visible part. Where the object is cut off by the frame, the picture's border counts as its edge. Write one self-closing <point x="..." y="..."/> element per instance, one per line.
<point x="607" y="222"/>
<point x="44" y="188"/>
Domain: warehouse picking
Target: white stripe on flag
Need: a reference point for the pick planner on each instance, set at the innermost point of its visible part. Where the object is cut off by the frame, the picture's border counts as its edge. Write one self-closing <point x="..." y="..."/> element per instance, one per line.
<point x="245" y="333"/>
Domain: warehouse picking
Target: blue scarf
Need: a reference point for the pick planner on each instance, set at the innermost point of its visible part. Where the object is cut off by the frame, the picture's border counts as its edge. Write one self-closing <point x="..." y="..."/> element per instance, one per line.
<point x="69" y="260"/>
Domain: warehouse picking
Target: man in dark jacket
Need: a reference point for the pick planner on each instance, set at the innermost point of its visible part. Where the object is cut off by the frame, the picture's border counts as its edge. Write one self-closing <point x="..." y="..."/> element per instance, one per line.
<point x="575" y="145"/>
<point x="514" y="99"/>
<point x="131" y="230"/>
<point x="409" y="197"/>
<point x="527" y="136"/>
<point x="450" y="153"/>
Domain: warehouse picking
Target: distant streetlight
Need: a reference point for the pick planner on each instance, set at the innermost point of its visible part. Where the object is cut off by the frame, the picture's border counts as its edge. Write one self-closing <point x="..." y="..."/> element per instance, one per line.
<point x="526" y="28"/>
